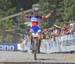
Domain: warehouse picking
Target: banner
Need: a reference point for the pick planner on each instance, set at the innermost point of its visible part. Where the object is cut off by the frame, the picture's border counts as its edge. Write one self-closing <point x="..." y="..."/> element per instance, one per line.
<point x="8" y="47"/>
<point x="67" y="43"/>
<point x="64" y="43"/>
<point x="49" y="46"/>
<point x="45" y="46"/>
<point x="24" y="46"/>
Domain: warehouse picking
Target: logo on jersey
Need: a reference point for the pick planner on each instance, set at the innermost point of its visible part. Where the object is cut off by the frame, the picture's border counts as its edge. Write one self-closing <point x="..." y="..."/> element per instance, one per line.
<point x="34" y="18"/>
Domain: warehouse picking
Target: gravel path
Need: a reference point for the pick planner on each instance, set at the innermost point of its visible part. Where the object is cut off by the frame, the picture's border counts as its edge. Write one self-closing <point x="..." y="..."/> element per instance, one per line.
<point x="17" y="56"/>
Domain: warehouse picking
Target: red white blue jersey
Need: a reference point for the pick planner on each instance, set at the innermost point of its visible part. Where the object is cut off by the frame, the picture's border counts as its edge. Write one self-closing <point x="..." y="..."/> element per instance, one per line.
<point x="35" y="22"/>
<point x="35" y="19"/>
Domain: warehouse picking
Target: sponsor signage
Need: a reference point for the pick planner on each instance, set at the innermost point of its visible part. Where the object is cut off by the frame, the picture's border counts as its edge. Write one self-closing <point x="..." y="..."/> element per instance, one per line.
<point x="8" y="47"/>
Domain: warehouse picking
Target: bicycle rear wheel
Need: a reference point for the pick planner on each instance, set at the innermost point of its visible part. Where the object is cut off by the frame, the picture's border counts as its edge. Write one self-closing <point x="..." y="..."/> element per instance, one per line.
<point x="35" y="48"/>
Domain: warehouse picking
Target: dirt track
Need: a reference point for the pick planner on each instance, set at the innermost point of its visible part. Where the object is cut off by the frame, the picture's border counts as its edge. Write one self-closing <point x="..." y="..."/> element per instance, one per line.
<point x="17" y="56"/>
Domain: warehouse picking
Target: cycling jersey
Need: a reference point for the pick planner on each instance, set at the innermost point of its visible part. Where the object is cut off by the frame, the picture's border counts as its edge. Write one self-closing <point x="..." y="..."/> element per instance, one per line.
<point x="35" y="22"/>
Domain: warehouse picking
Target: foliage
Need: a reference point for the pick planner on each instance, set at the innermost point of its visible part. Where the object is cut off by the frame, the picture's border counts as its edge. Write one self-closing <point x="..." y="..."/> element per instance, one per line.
<point x="69" y="9"/>
<point x="7" y="8"/>
<point x="64" y="10"/>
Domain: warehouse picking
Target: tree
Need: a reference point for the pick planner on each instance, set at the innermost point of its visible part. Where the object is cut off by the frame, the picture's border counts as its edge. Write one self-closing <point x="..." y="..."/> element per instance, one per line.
<point x="69" y="9"/>
<point x="35" y="1"/>
<point x="44" y="10"/>
<point x="7" y="8"/>
<point x="10" y="7"/>
<point x="46" y="6"/>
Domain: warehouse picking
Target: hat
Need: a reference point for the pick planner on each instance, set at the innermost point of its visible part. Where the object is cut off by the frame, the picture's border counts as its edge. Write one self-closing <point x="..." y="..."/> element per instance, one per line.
<point x="57" y="26"/>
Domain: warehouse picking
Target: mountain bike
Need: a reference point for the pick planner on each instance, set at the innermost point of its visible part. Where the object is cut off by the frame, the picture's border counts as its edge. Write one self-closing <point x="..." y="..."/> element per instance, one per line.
<point x="35" y="41"/>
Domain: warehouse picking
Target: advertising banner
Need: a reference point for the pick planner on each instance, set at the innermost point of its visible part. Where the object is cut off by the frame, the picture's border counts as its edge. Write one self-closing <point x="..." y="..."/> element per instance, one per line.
<point x="49" y="46"/>
<point x="67" y="43"/>
<point x="8" y="47"/>
<point x="64" y="43"/>
<point x="24" y="46"/>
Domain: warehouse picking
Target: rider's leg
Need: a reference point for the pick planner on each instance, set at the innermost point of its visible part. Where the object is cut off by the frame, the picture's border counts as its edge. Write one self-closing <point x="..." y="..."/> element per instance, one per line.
<point x="31" y="38"/>
<point x="39" y="41"/>
<point x="36" y="30"/>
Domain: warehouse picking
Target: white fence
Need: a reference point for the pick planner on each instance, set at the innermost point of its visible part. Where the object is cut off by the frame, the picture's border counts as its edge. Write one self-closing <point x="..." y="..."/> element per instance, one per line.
<point x="64" y="43"/>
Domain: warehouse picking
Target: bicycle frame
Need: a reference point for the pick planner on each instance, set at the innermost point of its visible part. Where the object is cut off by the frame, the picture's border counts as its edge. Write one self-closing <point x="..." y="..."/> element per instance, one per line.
<point x="35" y="38"/>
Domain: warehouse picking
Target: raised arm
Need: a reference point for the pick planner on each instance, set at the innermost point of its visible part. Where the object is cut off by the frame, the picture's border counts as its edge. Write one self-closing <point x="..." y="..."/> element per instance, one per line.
<point x="48" y="15"/>
<point x="23" y="14"/>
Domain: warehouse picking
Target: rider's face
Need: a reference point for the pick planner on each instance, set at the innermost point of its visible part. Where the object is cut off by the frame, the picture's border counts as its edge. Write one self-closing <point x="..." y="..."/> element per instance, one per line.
<point x="36" y="13"/>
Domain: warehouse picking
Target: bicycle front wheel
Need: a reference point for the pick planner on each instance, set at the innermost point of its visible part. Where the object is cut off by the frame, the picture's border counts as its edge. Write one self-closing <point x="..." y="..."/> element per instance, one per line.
<point x="35" y="49"/>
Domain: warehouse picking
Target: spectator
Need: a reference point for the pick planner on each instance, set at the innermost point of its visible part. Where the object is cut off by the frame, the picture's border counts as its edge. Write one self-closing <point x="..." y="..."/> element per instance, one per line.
<point x="66" y="28"/>
<point x="72" y="21"/>
<point x="56" y="30"/>
<point x="46" y="33"/>
<point x="72" y="25"/>
<point x="50" y="31"/>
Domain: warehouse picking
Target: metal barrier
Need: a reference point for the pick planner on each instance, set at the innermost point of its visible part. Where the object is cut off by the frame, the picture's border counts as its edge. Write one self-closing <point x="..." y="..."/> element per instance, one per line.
<point x="64" y="43"/>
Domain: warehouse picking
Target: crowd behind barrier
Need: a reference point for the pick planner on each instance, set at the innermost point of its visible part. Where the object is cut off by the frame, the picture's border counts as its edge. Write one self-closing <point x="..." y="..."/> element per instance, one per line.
<point x="65" y="43"/>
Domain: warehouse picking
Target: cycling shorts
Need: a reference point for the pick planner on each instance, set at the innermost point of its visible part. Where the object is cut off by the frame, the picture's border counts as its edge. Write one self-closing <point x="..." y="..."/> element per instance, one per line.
<point x="35" y="29"/>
